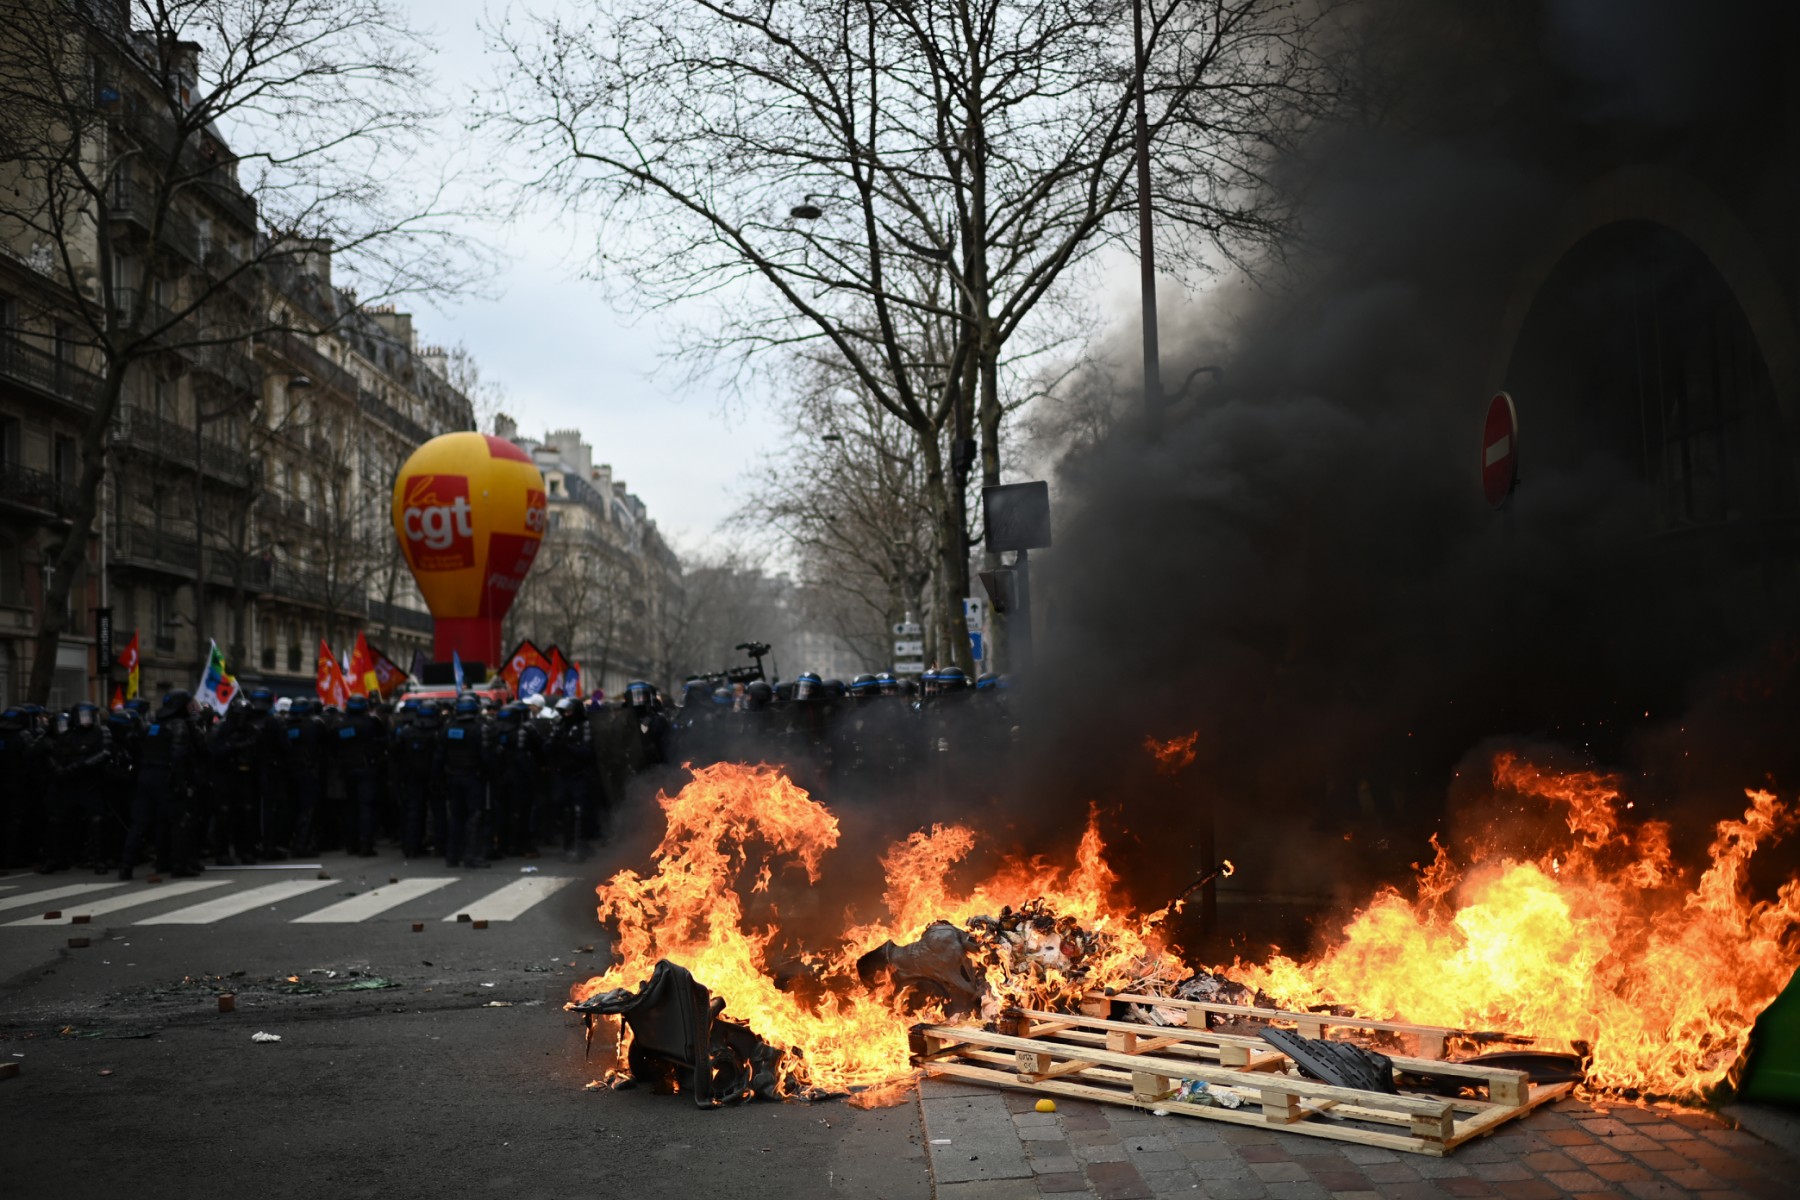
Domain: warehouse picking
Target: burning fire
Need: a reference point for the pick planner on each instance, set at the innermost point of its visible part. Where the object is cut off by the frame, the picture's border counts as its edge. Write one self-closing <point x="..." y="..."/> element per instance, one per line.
<point x="1171" y="756"/>
<point x="1602" y="941"/>
<point x="1599" y="940"/>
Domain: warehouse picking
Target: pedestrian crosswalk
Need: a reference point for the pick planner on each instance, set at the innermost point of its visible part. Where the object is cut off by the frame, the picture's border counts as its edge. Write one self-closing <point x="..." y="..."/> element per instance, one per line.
<point x="213" y="900"/>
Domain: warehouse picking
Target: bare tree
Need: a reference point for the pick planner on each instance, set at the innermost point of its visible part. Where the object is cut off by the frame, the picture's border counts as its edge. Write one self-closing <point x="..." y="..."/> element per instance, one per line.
<point x="116" y="114"/>
<point x="845" y="175"/>
<point x="859" y="517"/>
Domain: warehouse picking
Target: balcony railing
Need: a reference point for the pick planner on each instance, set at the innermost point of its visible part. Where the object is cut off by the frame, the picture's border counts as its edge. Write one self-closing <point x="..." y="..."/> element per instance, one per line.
<point x="38" y="369"/>
<point x="165" y="549"/>
<point x="154" y="129"/>
<point x="145" y="432"/>
<point x="156" y="316"/>
<point x="228" y="270"/>
<point x="381" y="612"/>
<point x="38" y="490"/>
<point x="381" y="410"/>
<point x="134" y="204"/>
<point x="227" y="361"/>
<point x="294" y="583"/>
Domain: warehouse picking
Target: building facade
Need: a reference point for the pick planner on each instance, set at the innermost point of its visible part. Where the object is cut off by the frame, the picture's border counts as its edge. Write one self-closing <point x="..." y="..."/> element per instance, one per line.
<point x="606" y="588"/>
<point x="260" y="417"/>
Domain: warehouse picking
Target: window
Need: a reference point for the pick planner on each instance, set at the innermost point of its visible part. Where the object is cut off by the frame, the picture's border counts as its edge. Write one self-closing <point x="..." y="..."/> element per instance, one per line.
<point x="10" y="439"/>
<point x="12" y="573"/>
<point x="63" y="466"/>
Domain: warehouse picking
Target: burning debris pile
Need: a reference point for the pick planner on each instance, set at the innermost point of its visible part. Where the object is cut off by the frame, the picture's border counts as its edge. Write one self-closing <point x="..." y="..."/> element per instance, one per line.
<point x="1599" y="945"/>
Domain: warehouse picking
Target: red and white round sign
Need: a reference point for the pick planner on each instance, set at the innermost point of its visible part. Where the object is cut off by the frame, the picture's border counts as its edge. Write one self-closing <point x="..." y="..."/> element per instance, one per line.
<point x="1500" y="450"/>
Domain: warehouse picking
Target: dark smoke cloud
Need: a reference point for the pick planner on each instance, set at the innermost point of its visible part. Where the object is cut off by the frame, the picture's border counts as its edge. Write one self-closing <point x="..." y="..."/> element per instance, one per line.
<point x="1303" y="568"/>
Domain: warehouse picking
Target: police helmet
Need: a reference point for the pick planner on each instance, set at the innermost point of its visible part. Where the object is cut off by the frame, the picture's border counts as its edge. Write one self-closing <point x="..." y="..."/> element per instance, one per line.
<point x="174" y="704"/>
<point x="84" y="714"/>
<point x="639" y="694"/>
<point x="138" y="705"/>
<point x="262" y="699"/>
<point x="947" y="680"/>
<point x="468" y="704"/>
<point x="835" y="689"/>
<point x="568" y="705"/>
<point x="808" y="685"/>
<point x="864" y="685"/>
<point x="987" y="681"/>
<point x="510" y="713"/>
<point x="721" y="697"/>
<point x="887" y="683"/>
<point x="357" y="704"/>
<point x="695" y="692"/>
<point x="758" y="695"/>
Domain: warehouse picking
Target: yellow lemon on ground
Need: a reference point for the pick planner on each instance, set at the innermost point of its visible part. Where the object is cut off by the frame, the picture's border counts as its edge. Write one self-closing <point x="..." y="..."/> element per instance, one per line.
<point x="1046" y="1106"/>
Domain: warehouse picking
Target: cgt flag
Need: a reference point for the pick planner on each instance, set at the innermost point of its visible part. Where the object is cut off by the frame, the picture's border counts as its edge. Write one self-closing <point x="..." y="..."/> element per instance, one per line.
<point x="129" y="662"/>
<point x="527" y="671"/>
<point x="329" y="681"/>
<point x="217" y="686"/>
<point x="361" y="676"/>
<point x="559" y="674"/>
<point x="387" y="675"/>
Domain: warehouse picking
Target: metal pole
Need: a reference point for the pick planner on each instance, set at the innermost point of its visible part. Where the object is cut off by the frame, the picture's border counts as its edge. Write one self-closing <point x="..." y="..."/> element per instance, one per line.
<point x="1153" y="397"/>
<point x="199" y="541"/>
<point x="1020" y="630"/>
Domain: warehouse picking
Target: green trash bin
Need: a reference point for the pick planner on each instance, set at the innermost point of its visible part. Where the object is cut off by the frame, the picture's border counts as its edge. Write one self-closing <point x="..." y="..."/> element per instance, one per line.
<point x="1773" y="1072"/>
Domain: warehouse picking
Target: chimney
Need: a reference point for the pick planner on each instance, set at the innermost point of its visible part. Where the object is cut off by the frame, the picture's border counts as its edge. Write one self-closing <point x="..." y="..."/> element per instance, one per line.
<point x="504" y="426"/>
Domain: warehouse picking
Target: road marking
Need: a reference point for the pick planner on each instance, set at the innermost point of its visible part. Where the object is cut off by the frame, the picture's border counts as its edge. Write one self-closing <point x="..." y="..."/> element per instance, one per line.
<point x="208" y="911"/>
<point x="96" y="908"/>
<point x="45" y="898"/>
<point x="514" y="899"/>
<point x="373" y="903"/>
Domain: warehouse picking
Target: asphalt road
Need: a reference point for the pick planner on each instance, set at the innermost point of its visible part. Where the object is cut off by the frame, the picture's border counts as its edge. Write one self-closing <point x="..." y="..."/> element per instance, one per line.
<point x="463" y="1078"/>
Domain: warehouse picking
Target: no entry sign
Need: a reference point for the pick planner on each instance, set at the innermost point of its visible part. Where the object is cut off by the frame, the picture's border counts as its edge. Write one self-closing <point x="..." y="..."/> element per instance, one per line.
<point x="1500" y="450"/>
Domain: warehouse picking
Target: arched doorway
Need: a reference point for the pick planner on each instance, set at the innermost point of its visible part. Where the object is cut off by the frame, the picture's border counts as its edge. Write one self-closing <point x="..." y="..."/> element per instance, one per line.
<point x="1638" y="373"/>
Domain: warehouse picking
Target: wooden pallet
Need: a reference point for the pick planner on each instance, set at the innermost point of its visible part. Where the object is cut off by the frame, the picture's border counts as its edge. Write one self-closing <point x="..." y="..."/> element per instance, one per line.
<point x="1123" y="1062"/>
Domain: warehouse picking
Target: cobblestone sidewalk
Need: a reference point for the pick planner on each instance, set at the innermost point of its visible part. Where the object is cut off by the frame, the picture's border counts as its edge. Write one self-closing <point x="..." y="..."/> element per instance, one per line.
<point x="990" y="1145"/>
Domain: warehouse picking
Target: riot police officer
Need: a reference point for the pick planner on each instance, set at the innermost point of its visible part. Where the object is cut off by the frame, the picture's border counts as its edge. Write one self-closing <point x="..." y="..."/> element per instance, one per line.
<point x="358" y="744"/>
<point x="415" y="750"/>
<point x="161" y="815"/>
<point x="80" y="758"/>
<point x="571" y="754"/>
<point x="461" y="766"/>
<point x="517" y="797"/>
<point x="24" y="764"/>
<point x="304" y="732"/>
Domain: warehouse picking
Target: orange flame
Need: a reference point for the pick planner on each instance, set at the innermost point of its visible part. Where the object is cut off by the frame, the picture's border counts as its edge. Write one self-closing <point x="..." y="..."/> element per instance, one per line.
<point x="1173" y="755"/>
<point x="1602" y="939"/>
<point x="1601" y="942"/>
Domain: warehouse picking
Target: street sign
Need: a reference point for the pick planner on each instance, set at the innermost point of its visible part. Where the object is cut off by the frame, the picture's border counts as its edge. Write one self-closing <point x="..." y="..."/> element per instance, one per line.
<point x="915" y="667"/>
<point x="908" y="629"/>
<point x="908" y="649"/>
<point x="977" y="645"/>
<point x="975" y="612"/>
<point x="1500" y="450"/>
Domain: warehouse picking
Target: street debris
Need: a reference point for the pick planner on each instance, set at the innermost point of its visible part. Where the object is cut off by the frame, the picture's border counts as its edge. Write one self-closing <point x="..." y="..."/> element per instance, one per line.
<point x="260" y="1036"/>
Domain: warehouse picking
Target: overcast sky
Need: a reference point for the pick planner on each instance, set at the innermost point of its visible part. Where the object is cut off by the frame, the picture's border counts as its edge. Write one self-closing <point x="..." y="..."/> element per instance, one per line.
<point x="567" y="358"/>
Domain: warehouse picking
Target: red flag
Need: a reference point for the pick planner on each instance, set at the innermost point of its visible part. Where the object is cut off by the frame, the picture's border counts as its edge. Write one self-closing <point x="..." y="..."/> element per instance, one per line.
<point x="361" y="677"/>
<point x="527" y="672"/>
<point x="118" y="697"/>
<point x="388" y="676"/>
<point x="128" y="659"/>
<point x="558" y="668"/>
<point x="330" y="679"/>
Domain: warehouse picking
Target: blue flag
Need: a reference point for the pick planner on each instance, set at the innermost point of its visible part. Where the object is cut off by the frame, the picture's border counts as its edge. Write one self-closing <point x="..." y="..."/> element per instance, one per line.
<point x="456" y="661"/>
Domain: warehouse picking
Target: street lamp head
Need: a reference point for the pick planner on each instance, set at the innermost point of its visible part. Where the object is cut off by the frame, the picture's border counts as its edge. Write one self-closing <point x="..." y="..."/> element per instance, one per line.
<point x="298" y="383"/>
<point x="806" y="212"/>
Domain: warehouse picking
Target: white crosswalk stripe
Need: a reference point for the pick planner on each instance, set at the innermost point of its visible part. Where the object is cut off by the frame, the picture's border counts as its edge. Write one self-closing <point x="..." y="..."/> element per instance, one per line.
<point x="246" y="898"/>
<point x="514" y="899"/>
<point x="112" y="904"/>
<point x="208" y="911"/>
<point x="374" y="903"/>
<point x="48" y="899"/>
